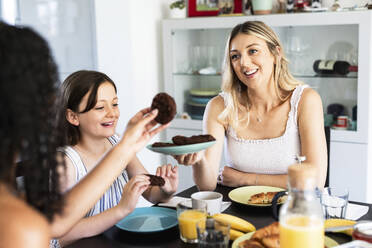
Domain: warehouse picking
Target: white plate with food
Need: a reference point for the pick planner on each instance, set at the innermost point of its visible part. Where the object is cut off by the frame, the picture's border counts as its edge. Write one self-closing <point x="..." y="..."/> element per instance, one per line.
<point x="328" y="242"/>
<point x="259" y="196"/>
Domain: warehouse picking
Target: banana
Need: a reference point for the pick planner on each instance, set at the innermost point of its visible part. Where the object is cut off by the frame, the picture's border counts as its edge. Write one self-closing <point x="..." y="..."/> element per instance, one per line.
<point x="235" y="222"/>
<point x="340" y="222"/>
<point x="234" y="234"/>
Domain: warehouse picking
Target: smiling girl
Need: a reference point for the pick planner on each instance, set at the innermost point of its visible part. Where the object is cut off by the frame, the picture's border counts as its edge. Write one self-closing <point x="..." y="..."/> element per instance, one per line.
<point x="90" y="104"/>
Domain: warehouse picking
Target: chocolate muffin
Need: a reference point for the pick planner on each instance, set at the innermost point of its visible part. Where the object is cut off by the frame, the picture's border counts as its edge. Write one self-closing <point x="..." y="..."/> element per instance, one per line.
<point x="163" y="144"/>
<point x="166" y="106"/>
<point x="179" y="140"/>
<point x="156" y="180"/>
<point x="195" y="139"/>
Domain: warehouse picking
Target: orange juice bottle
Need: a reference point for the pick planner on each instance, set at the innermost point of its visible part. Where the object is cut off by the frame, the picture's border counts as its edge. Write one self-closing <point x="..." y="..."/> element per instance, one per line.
<point x="301" y="222"/>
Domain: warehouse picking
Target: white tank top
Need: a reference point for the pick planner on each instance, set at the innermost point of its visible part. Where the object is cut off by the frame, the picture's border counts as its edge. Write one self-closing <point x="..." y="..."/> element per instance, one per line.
<point x="266" y="156"/>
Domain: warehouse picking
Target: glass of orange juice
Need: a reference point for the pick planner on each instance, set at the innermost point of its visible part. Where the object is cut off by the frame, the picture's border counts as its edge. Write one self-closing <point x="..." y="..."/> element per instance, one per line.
<point x="187" y="219"/>
<point x="301" y="231"/>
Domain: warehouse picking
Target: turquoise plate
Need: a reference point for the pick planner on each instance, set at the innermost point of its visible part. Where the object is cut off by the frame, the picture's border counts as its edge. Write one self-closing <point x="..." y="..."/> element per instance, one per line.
<point x="178" y="150"/>
<point x="149" y="219"/>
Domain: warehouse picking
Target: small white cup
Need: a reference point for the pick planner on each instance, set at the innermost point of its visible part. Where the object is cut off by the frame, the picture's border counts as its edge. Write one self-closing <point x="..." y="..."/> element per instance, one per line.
<point x="213" y="200"/>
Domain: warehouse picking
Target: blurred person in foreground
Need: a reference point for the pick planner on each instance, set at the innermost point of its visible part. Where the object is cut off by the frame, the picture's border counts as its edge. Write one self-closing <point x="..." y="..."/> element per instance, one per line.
<point x="31" y="216"/>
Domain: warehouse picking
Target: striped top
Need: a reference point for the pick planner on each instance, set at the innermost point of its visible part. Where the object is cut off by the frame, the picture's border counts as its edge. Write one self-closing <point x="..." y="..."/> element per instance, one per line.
<point x="111" y="197"/>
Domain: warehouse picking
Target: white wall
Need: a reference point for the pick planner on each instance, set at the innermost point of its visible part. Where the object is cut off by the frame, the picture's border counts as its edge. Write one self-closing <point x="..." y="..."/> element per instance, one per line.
<point x="129" y="50"/>
<point x="67" y="25"/>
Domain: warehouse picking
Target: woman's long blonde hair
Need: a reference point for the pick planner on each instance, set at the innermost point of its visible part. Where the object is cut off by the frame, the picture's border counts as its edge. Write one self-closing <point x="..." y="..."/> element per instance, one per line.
<point x="236" y="97"/>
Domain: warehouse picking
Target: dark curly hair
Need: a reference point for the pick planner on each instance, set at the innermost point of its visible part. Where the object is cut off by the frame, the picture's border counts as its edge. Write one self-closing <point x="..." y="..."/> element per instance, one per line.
<point x="74" y="88"/>
<point x="28" y="131"/>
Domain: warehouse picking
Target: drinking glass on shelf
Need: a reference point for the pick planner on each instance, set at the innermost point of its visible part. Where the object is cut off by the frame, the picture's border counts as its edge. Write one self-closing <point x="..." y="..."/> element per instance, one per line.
<point x="219" y="52"/>
<point x="334" y="202"/>
<point x="297" y="52"/>
<point x="195" y="52"/>
<point x="187" y="219"/>
<point x="183" y="64"/>
<point x="353" y="56"/>
<point x="295" y="44"/>
<point x="212" y="52"/>
<point x="199" y="55"/>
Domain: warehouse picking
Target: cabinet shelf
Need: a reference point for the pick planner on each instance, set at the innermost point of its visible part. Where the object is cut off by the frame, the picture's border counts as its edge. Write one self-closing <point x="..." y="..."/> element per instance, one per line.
<point x="296" y="75"/>
<point x="343" y="135"/>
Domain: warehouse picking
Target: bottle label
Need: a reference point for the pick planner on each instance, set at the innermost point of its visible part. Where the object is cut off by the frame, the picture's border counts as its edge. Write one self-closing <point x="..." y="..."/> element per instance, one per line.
<point x="326" y="65"/>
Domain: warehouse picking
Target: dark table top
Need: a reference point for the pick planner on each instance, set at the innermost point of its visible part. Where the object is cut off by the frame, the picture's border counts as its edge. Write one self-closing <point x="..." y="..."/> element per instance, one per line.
<point x="258" y="216"/>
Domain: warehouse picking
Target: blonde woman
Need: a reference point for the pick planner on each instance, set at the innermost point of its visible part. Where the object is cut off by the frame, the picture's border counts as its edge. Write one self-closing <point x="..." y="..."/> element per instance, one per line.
<point x="265" y="116"/>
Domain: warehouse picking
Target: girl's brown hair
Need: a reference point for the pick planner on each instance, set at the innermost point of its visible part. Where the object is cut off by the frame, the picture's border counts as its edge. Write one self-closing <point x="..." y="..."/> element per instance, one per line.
<point x="74" y="88"/>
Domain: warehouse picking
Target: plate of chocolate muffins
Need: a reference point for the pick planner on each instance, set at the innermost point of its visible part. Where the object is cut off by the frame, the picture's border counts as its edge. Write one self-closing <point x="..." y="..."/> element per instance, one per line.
<point x="183" y="145"/>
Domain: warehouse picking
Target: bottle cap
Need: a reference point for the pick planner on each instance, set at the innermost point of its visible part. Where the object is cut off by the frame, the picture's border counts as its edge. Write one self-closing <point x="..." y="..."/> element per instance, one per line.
<point x="302" y="176"/>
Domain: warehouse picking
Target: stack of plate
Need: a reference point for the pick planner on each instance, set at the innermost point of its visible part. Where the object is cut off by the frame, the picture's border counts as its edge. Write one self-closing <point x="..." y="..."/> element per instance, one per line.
<point x="198" y="100"/>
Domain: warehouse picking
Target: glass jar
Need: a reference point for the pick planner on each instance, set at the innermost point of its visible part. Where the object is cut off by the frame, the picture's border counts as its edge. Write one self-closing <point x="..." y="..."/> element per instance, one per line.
<point x="363" y="231"/>
<point x="301" y="222"/>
